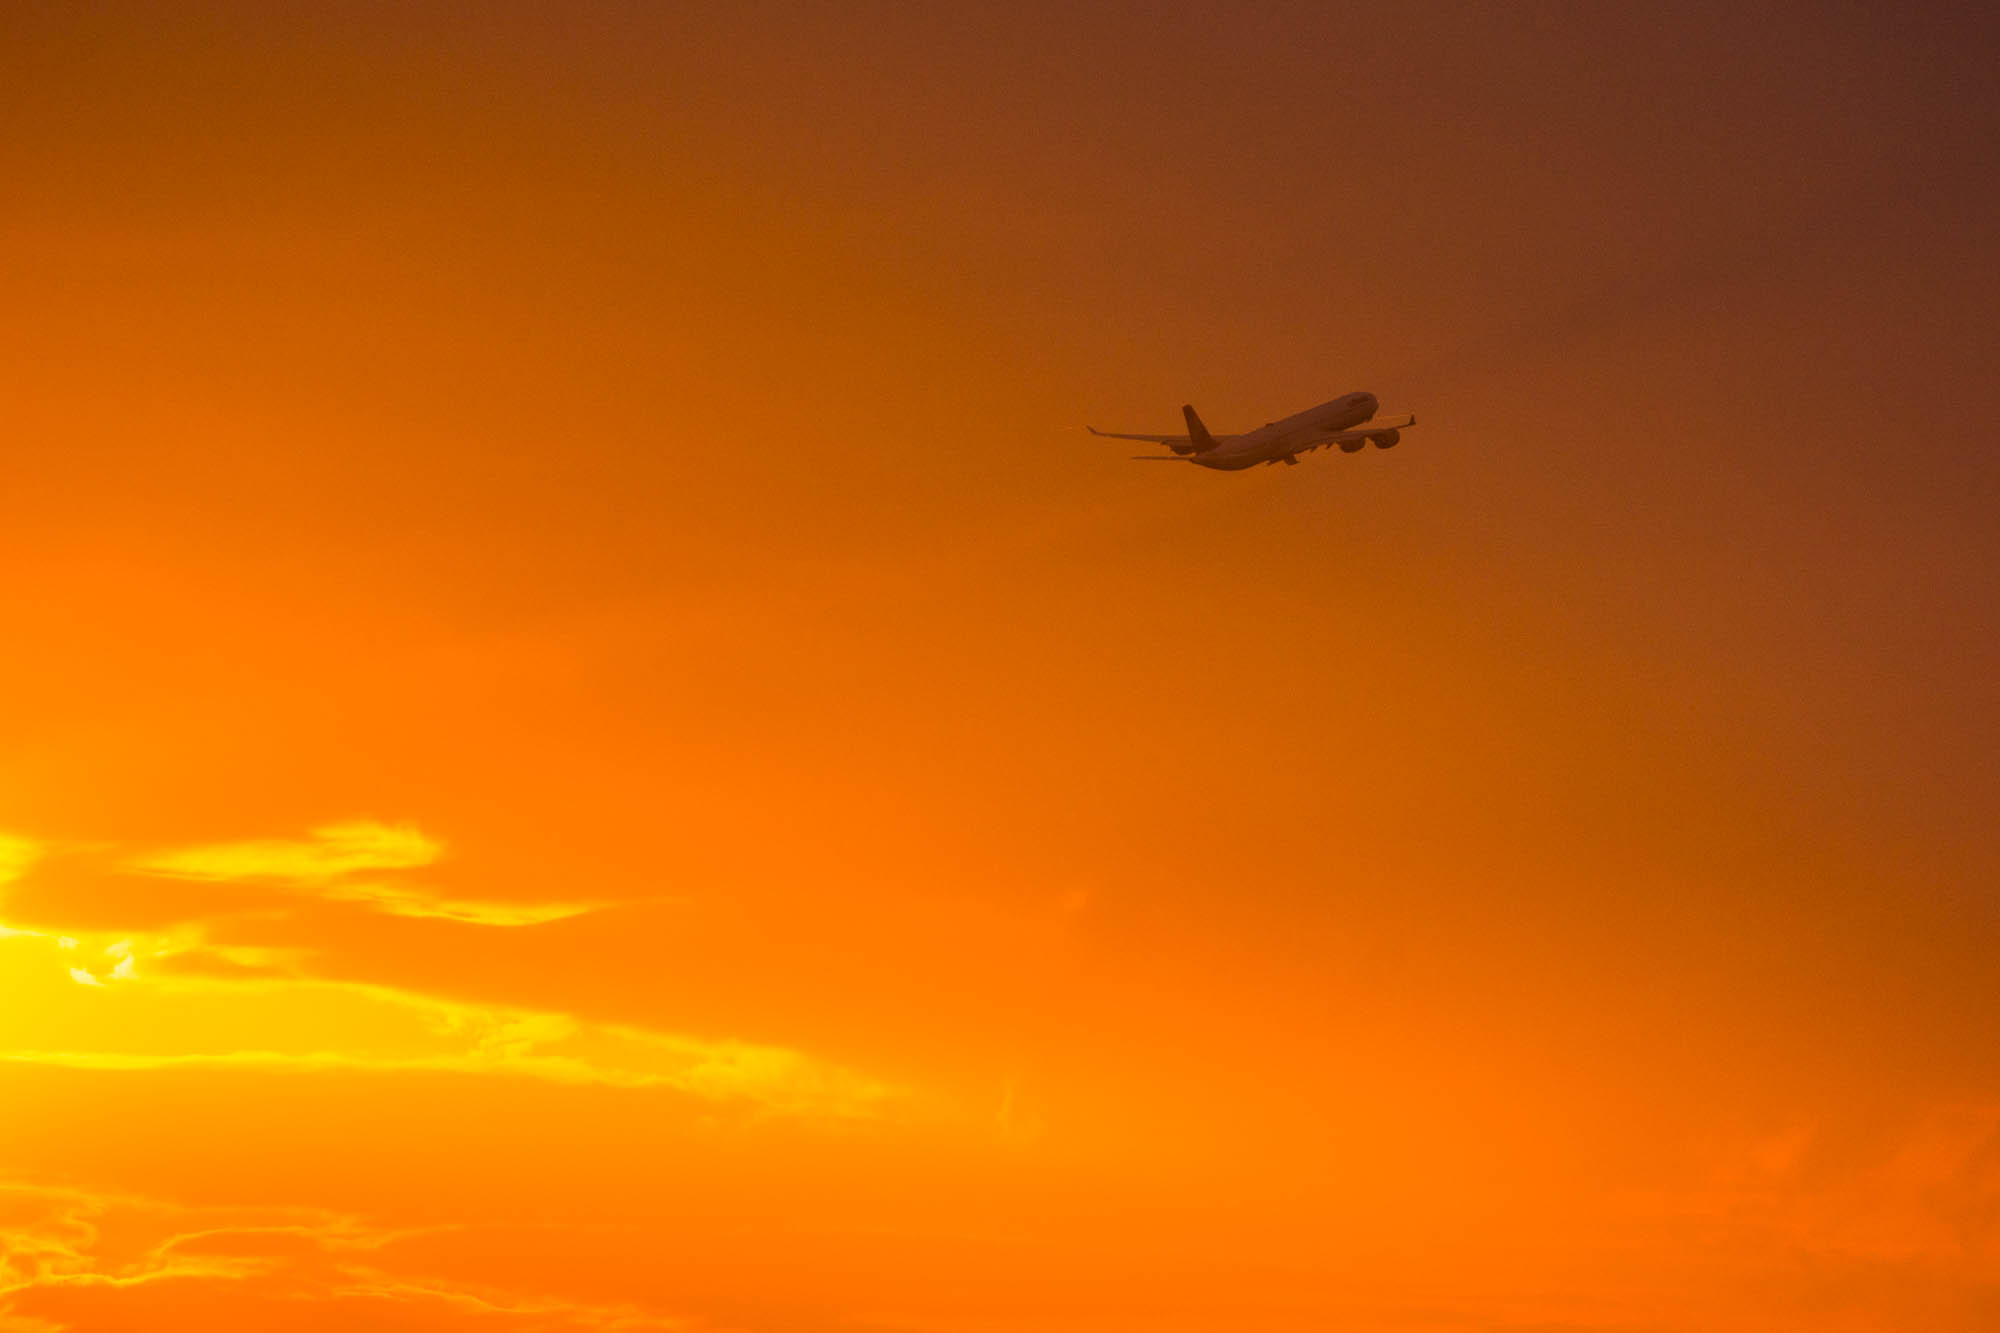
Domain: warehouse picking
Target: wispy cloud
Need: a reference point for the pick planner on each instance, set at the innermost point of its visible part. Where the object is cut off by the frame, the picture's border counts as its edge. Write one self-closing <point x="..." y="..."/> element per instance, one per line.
<point x="96" y="1007"/>
<point x="327" y="853"/>
<point x="402" y="900"/>
<point x="16" y="855"/>
<point x="342" y="863"/>
<point x="1928" y="1195"/>
<point x="176" y="999"/>
<point x="60" y="1270"/>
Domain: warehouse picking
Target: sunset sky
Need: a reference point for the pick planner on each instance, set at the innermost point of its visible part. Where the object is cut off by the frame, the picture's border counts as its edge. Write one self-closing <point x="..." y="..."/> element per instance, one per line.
<point x="588" y="743"/>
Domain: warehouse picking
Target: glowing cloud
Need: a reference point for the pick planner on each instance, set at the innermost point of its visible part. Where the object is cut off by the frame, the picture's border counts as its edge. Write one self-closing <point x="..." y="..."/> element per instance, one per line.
<point x="164" y="1020"/>
<point x="16" y="855"/>
<point x="57" y="1271"/>
<point x="82" y="1000"/>
<point x="329" y="852"/>
<point x="322" y="864"/>
<point x="400" y="900"/>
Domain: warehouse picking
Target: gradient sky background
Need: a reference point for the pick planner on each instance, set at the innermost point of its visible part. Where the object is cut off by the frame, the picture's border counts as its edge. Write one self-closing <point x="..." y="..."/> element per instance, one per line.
<point x="589" y="745"/>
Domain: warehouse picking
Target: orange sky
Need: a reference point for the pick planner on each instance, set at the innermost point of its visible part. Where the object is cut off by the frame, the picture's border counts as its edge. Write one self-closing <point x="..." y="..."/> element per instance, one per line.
<point x="588" y="744"/>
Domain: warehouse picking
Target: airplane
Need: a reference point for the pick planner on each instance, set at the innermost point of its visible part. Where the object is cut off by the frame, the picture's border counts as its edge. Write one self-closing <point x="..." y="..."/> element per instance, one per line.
<point x="1333" y="422"/>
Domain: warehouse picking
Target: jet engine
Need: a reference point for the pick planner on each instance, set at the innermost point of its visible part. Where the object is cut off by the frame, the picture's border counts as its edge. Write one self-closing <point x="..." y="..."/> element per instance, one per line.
<point x="1350" y="446"/>
<point x="1387" y="439"/>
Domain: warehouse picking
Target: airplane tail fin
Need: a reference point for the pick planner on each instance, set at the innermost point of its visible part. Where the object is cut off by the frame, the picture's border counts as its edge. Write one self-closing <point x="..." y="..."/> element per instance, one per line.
<point x="1198" y="434"/>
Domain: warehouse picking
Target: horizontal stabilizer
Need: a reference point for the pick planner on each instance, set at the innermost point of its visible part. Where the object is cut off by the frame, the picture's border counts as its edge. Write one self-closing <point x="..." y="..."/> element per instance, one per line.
<point x="1170" y="440"/>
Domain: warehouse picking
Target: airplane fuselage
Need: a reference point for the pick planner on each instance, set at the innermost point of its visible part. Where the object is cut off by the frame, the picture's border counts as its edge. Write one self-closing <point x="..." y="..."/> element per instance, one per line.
<point x="1283" y="439"/>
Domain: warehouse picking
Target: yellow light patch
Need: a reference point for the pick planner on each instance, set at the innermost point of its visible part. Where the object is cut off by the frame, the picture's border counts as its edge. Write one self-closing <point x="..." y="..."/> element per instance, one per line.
<point x="399" y="900"/>
<point x="16" y="855"/>
<point x="330" y="851"/>
<point x="119" y="1018"/>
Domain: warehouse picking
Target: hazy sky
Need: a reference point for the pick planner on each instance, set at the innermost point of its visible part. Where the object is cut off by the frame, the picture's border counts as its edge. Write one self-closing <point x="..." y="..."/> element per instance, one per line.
<point x="589" y="744"/>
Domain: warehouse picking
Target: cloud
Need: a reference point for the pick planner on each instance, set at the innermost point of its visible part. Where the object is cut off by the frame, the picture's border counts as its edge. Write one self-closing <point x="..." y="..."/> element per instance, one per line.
<point x="400" y="900"/>
<point x="72" y="1259"/>
<point x="325" y="862"/>
<point x="16" y="855"/>
<point x="123" y="968"/>
<point x="1925" y="1196"/>
<point x="123" y="1018"/>
<point x="327" y="853"/>
<point x="177" y="999"/>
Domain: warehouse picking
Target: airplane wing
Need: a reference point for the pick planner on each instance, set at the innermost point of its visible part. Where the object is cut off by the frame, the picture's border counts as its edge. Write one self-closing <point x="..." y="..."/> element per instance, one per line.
<point x="1375" y="427"/>
<point x="1149" y="439"/>
<point x="1361" y="434"/>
